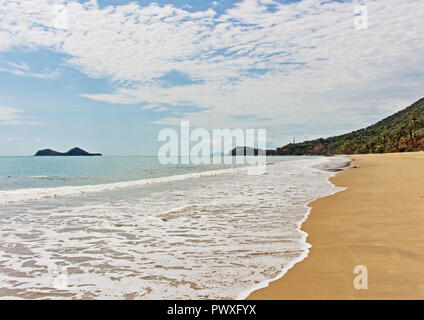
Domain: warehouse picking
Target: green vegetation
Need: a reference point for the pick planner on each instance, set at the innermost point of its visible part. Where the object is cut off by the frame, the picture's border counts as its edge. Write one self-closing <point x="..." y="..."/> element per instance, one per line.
<point x="401" y="132"/>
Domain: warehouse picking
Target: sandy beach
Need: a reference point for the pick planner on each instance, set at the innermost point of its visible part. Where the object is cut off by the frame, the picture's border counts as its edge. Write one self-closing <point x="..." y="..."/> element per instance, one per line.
<point x="378" y="222"/>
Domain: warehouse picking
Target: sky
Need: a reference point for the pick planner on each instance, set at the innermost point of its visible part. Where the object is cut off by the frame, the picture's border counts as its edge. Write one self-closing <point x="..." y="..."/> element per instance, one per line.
<point x="108" y="75"/>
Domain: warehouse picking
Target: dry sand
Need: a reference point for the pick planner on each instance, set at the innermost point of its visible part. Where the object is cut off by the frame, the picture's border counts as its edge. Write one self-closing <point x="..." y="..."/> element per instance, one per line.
<point x="377" y="222"/>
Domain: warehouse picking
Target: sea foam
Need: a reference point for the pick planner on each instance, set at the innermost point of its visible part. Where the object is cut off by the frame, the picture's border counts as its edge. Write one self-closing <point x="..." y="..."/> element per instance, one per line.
<point x="18" y="195"/>
<point x="219" y="235"/>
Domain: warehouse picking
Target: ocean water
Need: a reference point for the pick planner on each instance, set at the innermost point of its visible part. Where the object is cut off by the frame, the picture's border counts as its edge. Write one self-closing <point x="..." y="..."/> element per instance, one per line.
<point x="131" y="228"/>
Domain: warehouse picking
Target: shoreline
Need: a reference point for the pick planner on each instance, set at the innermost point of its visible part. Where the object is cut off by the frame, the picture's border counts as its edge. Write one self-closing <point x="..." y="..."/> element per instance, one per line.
<point x="339" y="242"/>
<point x="337" y="167"/>
<point x="301" y="181"/>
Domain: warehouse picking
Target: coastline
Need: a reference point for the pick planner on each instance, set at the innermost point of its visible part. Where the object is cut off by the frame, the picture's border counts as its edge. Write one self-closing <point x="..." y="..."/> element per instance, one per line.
<point x="333" y="168"/>
<point x="375" y="222"/>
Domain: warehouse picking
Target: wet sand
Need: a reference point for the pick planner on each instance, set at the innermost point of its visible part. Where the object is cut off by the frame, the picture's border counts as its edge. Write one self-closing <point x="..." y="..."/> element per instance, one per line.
<point x="378" y="222"/>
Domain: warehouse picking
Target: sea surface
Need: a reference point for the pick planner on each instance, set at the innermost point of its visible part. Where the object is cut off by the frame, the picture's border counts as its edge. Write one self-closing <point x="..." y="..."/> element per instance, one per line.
<point x="132" y="228"/>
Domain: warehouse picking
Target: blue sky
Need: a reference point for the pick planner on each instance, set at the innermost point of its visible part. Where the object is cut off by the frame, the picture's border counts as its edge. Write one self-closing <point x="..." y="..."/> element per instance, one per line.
<point x="120" y="71"/>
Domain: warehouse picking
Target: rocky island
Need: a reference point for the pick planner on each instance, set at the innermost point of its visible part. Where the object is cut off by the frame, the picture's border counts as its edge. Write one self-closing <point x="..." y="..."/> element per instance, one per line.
<point x="73" y="152"/>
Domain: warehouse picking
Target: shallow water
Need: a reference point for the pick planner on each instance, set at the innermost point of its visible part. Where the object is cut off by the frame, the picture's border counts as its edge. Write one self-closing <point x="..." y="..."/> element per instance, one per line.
<point x="201" y="237"/>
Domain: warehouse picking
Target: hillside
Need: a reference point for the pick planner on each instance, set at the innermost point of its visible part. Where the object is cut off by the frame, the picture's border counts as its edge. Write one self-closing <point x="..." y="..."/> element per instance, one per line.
<point x="73" y="152"/>
<point x="400" y="132"/>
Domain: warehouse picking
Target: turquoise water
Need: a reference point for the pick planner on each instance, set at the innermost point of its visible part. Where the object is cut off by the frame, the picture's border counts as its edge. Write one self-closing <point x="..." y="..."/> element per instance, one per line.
<point x="46" y="172"/>
<point x="40" y="172"/>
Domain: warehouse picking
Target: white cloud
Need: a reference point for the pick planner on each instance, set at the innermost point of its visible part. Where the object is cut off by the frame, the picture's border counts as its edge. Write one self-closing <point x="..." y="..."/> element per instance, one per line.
<point x="22" y="69"/>
<point x="45" y="74"/>
<point x="155" y="108"/>
<point x="317" y="63"/>
<point x="21" y="65"/>
<point x="13" y="139"/>
<point x="12" y="116"/>
<point x="9" y="115"/>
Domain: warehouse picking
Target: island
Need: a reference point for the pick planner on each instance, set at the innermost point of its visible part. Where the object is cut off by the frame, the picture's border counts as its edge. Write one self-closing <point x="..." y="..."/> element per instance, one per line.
<point x="247" y="151"/>
<point x="71" y="153"/>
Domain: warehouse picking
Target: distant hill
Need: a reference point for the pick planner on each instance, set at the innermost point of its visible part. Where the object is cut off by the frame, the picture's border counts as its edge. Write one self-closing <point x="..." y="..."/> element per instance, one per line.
<point x="246" y="151"/>
<point x="400" y="132"/>
<point x="72" y="152"/>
